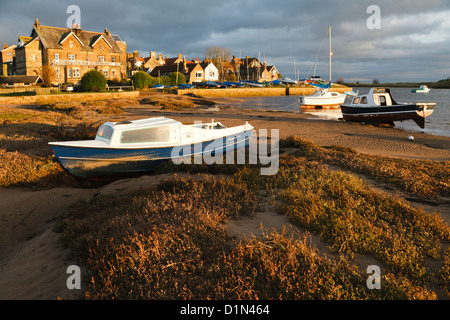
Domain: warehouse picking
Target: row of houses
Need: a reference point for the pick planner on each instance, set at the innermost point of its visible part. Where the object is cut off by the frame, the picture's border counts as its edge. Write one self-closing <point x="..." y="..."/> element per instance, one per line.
<point x="71" y="52"/>
<point x="247" y="69"/>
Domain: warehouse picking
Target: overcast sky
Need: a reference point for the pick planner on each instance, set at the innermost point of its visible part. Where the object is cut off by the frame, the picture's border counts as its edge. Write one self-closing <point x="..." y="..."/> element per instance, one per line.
<point x="411" y="45"/>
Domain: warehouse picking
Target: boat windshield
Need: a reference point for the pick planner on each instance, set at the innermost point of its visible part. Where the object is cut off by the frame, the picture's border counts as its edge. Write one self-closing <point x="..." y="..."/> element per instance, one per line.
<point x="105" y="132"/>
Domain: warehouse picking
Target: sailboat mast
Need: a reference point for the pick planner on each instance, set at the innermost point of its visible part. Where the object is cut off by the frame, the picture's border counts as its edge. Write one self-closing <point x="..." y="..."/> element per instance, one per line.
<point x="330" y="54"/>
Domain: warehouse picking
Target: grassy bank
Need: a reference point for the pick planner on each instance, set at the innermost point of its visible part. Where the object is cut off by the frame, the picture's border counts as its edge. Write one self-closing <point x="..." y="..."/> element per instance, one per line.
<point x="172" y="243"/>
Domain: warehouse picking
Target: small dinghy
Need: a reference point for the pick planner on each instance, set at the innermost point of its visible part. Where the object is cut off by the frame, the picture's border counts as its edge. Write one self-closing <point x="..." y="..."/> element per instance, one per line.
<point x="140" y="145"/>
<point x="379" y="106"/>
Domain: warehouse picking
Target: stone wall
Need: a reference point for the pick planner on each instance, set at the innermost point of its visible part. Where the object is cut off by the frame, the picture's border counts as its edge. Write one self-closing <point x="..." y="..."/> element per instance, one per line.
<point x="253" y="92"/>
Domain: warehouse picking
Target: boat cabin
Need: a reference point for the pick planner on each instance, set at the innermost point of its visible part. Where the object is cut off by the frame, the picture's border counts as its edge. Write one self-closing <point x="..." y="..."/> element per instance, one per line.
<point x="375" y="97"/>
<point x="153" y="130"/>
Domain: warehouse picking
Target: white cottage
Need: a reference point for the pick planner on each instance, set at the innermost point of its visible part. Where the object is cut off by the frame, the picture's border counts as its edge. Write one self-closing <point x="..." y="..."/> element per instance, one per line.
<point x="210" y="71"/>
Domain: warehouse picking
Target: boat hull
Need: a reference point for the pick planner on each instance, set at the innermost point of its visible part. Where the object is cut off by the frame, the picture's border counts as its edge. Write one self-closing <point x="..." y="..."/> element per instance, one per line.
<point x="388" y="114"/>
<point x="91" y="162"/>
<point x="311" y="102"/>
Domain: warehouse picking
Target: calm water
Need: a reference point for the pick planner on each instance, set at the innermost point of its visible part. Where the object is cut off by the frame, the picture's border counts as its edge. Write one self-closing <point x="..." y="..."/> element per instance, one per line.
<point x="438" y="123"/>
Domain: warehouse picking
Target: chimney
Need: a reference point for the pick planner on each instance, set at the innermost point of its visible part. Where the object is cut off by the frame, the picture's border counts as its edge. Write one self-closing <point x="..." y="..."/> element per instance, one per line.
<point x="152" y="55"/>
<point x="36" y="23"/>
<point x="179" y="57"/>
<point x="5" y="46"/>
<point x="135" y="54"/>
<point x="107" y="32"/>
<point x="160" y="56"/>
<point x="76" y="29"/>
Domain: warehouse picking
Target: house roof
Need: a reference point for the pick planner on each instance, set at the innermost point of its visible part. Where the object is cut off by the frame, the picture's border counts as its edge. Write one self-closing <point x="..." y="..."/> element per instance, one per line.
<point x="167" y="69"/>
<point x="20" y="79"/>
<point x="52" y="37"/>
<point x="8" y="48"/>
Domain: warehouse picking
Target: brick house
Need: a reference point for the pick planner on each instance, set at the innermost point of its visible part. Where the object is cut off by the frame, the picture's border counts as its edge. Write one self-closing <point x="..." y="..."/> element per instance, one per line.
<point x="7" y="60"/>
<point x="71" y="52"/>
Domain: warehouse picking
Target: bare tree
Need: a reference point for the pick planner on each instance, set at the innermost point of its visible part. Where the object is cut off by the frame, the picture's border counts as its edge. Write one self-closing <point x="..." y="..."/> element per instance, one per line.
<point x="218" y="56"/>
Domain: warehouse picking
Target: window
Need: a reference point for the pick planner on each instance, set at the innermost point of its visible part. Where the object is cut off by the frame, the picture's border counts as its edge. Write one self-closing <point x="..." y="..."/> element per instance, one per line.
<point x="76" y="73"/>
<point x="114" y="74"/>
<point x="212" y="74"/>
<point x="9" y="54"/>
<point x="364" y="100"/>
<point x="105" y="132"/>
<point x="101" y="59"/>
<point x="34" y="57"/>
<point x="101" y="47"/>
<point x="69" y="73"/>
<point x="383" y="100"/>
<point x="71" y="57"/>
<point x="106" y="74"/>
<point x="160" y="134"/>
<point x="198" y="74"/>
<point x="71" y="44"/>
<point x="56" y="56"/>
<point x="113" y="59"/>
<point x="57" y="73"/>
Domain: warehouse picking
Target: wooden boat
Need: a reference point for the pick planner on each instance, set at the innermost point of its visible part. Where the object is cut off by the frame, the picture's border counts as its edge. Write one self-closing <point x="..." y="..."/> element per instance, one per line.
<point x="379" y="106"/>
<point x="140" y="145"/>
<point x="422" y="89"/>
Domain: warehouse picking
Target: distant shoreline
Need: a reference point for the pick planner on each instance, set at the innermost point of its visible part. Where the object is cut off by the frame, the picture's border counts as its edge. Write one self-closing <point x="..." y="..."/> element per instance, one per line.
<point x="441" y="84"/>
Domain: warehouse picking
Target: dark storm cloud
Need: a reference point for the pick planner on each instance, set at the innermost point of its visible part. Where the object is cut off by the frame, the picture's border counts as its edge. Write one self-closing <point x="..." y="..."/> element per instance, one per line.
<point x="411" y="45"/>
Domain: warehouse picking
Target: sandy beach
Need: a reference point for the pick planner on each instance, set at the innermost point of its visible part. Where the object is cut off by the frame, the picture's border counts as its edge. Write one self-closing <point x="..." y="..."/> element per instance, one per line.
<point x="32" y="263"/>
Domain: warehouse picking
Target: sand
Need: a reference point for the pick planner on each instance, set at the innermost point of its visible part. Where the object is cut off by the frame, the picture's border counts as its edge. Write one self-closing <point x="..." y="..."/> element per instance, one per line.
<point x="33" y="265"/>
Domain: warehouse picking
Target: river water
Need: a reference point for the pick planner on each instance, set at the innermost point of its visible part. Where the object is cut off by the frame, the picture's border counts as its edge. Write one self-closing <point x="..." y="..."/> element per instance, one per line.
<point x="437" y="123"/>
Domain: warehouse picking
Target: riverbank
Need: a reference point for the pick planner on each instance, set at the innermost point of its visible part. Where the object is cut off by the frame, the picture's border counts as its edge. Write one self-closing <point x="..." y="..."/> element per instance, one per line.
<point x="33" y="263"/>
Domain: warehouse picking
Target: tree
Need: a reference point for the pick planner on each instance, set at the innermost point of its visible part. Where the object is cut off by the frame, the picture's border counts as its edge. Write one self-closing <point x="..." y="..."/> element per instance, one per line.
<point x="93" y="80"/>
<point x="177" y="78"/>
<point x="375" y="81"/>
<point x="141" y="80"/>
<point x="47" y="74"/>
<point x="218" y="56"/>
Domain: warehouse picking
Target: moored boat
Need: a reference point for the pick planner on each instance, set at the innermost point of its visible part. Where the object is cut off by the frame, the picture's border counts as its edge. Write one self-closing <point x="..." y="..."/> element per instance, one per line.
<point x="422" y="89"/>
<point x="140" y="145"/>
<point x="379" y="106"/>
<point x="324" y="97"/>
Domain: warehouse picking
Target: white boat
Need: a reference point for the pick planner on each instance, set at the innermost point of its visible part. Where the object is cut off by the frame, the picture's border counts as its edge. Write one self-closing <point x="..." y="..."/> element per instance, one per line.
<point x="323" y="97"/>
<point x="140" y="145"/>
<point x="423" y="89"/>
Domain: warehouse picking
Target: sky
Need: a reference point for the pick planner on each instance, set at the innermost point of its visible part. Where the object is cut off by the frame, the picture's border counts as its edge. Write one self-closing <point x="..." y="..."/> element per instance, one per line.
<point x="411" y="41"/>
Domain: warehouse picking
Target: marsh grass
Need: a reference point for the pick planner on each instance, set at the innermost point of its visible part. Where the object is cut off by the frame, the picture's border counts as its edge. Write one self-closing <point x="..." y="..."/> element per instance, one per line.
<point x="172" y="244"/>
<point x="423" y="178"/>
<point x="168" y="103"/>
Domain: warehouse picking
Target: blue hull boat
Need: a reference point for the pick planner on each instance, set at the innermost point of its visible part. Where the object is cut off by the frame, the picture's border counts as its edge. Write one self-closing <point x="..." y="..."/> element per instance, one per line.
<point x="141" y="145"/>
